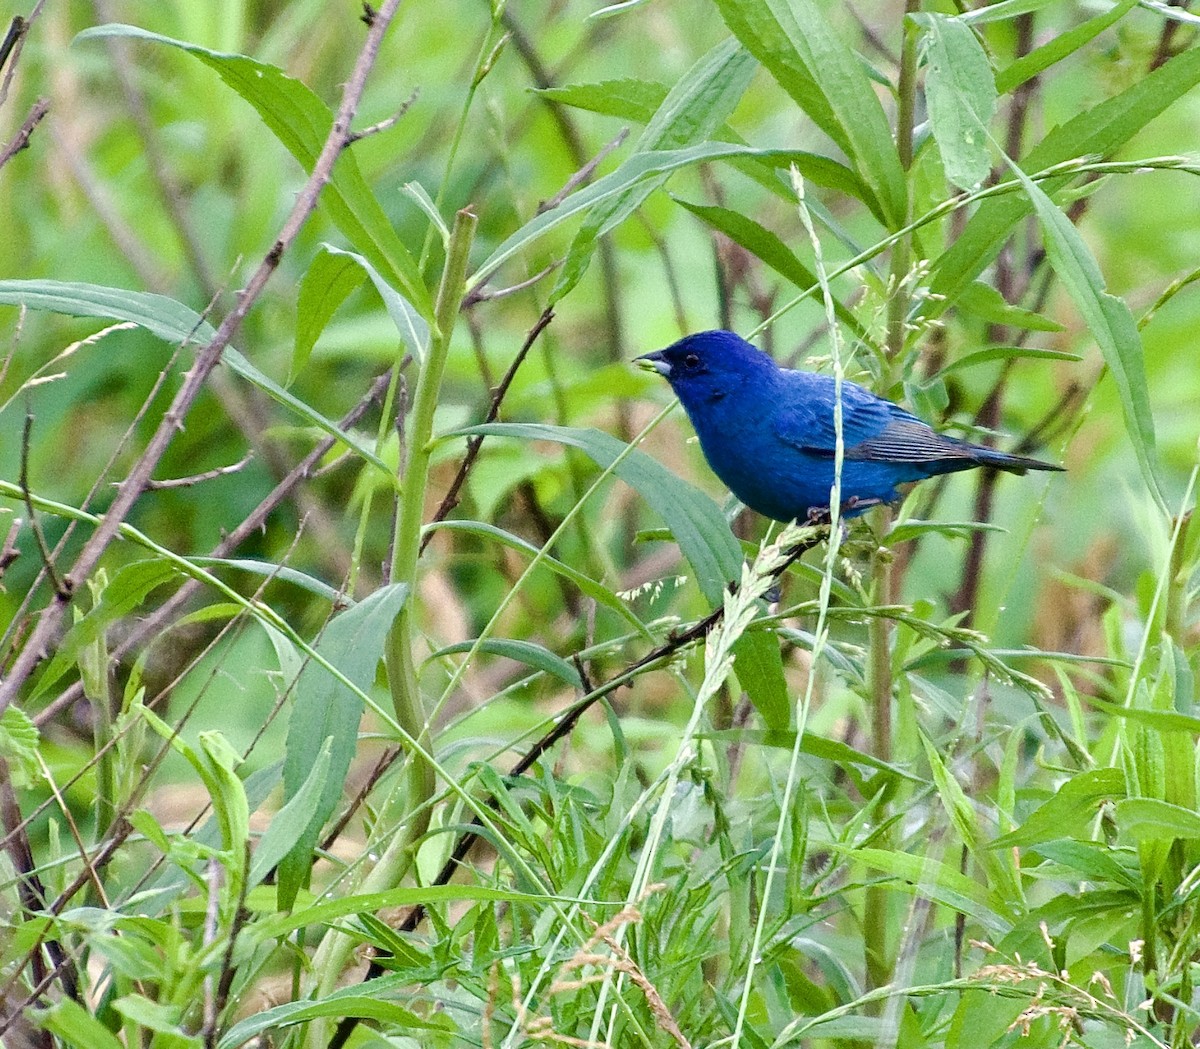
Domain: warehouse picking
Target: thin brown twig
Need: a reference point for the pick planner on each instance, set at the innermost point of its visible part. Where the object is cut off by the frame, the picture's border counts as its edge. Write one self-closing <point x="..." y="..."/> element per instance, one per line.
<point x="384" y="125"/>
<point x="50" y="623"/>
<point x="450" y="500"/>
<point x="482" y="294"/>
<point x="14" y="42"/>
<point x="195" y="479"/>
<point x="60" y="586"/>
<point x="20" y="140"/>
<point x="584" y="173"/>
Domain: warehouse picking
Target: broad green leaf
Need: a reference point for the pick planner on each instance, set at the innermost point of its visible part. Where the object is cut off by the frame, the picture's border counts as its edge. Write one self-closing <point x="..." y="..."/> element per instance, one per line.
<point x="537" y="656"/>
<point x="414" y="332"/>
<point x="290" y="822"/>
<point x="982" y="300"/>
<point x="1070" y="812"/>
<point x="71" y="1022"/>
<point x="703" y="535"/>
<point x="759" y="668"/>
<point x="934" y="880"/>
<point x="766" y="246"/>
<point x="1059" y="47"/>
<point x="156" y="1016"/>
<point x="301" y="122"/>
<point x="1148" y="819"/>
<point x="692" y="111"/>
<point x="124" y="593"/>
<point x="19" y="747"/>
<point x="325" y="285"/>
<point x="629" y="99"/>
<point x="796" y="43"/>
<point x="172" y="322"/>
<point x="1110" y="322"/>
<point x="325" y="707"/>
<point x="1101" y="130"/>
<point x="961" y="94"/>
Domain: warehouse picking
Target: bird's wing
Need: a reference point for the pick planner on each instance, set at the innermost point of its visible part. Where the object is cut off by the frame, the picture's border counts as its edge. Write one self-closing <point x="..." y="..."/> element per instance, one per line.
<point x="905" y="439"/>
<point x="872" y="428"/>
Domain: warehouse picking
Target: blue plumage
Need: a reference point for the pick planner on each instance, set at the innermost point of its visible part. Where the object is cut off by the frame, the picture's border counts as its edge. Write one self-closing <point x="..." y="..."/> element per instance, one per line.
<point x="768" y="432"/>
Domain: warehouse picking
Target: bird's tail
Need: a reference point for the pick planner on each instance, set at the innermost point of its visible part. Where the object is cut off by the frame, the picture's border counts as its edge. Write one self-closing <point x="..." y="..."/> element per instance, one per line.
<point x="1016" y="464"/>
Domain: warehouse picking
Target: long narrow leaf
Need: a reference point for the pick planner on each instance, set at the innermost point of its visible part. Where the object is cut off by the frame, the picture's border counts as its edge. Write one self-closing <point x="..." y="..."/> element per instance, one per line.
<point x="172" y="322"/>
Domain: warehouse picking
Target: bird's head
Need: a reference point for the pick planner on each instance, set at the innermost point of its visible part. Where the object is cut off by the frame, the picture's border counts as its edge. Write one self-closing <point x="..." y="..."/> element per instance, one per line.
<point x="710" y="365"/>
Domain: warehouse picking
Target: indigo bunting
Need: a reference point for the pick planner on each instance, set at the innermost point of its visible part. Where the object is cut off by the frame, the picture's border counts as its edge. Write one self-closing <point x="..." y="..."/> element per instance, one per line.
<point x="768" y="432"/>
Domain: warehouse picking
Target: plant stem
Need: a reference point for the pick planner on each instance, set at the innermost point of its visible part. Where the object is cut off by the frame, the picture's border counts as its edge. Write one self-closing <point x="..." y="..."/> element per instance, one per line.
<point x="419" y="780"/>
<point x="877" y="954"/>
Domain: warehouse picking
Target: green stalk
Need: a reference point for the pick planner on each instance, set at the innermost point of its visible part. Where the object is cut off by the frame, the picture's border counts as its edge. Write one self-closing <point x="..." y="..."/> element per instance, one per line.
<point x="877" y="952"/>
<point x="419" y="784"/>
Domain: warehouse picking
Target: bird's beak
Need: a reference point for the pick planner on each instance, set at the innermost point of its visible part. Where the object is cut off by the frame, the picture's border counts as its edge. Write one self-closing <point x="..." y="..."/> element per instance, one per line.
<point x="654" y="362"/>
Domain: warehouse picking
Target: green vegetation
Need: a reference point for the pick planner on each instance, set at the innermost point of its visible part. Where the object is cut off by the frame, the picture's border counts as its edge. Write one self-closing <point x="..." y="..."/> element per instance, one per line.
<point x="359" y="603"/>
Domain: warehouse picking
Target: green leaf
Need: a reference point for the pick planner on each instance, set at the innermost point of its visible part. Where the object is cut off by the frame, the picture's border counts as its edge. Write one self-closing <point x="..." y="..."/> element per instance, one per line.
<point x="1003" y="10"/>
<point x="796" y="43"/>
<point x="1110" y="322"/>
<point x="1059" y="47"/>
<point x="154" y="1016"/>
<point x="68" y="1020"/>
<point x="1101" y="130"/>
<point x="629" y="99"/>
<point x="913" y="529"/>
<point x="325" y="707"/>
<point x="270" y="570"/>
<point x="759" y="668"/>
<point x="765" y="245"/>
<point x="289" y="823"/>
<point x="986" y="302"/>
<point x="367" y="1002"/>
<point x="933" y="880"/>
<point x="1006" y="353"/>
<point x="1070" y="812"/>
<point x="532" y="655"/>
<point x="817" y="746"/>
<point x="124" y="593"/>
<point x="692" y="111"/>
<point x="961" y="94"/>
<point x="172" y="322"/>
<point x="19" y="746"/>
<point x="1148" y="819"/>
<point x="301" y="122"/>
<point x="325" y="285"/>
<point x="414" y="332"/>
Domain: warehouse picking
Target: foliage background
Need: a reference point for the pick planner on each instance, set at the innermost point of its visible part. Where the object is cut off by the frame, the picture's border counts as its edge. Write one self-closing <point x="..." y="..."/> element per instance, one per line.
<point x="951" y="874"/>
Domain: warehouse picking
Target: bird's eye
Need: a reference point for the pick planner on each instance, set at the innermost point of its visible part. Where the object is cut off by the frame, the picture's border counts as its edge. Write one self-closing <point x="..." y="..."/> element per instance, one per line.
<point x="691" y="361"/>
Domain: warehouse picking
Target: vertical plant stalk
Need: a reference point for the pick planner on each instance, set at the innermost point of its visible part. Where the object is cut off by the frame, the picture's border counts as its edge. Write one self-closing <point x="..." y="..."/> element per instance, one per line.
<point x="876" y="950"/>
<point x="399" y="657"/>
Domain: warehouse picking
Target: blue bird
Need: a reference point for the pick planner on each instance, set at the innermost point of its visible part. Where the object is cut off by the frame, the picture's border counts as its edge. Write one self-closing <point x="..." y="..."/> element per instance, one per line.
<point x="768" y="432"/>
